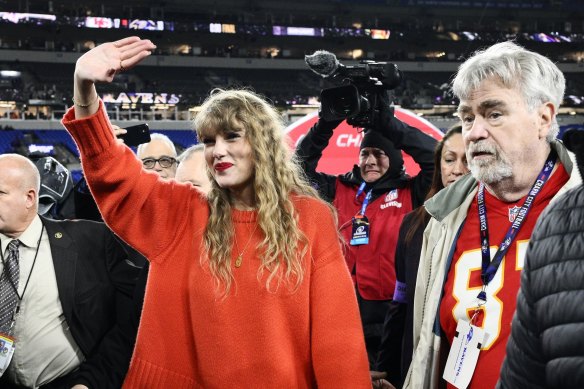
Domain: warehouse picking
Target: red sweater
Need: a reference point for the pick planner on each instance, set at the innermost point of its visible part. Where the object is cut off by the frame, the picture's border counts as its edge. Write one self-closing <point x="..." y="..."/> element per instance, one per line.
<point x="189" y="336"/>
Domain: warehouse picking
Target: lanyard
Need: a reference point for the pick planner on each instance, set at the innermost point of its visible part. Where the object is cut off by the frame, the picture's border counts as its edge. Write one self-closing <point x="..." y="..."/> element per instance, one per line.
<point x="367" y="197"/>
<point x="20" y="297"/>
<point x="489" y="267"/>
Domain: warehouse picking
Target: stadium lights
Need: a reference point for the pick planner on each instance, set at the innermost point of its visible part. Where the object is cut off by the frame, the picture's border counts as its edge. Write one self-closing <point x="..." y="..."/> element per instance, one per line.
<point x="8" y="104"/>
<point x="305" y="105"/>
<point x="9" y="73"/>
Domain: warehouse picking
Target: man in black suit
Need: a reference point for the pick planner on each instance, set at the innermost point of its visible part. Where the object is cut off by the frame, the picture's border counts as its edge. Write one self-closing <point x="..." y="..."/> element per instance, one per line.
<point x="71" y="295"/>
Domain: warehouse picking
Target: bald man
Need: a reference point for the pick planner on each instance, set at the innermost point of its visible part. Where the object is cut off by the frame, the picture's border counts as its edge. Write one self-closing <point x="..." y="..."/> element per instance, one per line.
<point x="64" y="292"/>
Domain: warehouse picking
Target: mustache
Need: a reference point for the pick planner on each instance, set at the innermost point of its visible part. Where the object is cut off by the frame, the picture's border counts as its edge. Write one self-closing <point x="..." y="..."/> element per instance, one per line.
<point x="482" y="147"/>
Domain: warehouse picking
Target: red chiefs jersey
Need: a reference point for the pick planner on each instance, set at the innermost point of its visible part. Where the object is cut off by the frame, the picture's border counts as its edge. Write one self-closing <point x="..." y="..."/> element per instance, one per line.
<point x="464" y="277"/>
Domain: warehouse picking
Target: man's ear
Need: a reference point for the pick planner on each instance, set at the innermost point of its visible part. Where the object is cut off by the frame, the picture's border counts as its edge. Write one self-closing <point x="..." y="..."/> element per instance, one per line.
<point x="31" y="198"/>
<point x="546" y="114"/>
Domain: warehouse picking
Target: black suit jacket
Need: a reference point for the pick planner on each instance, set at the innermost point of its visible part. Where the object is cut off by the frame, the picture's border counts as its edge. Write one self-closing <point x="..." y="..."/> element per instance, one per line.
<point x="96" y="284"/>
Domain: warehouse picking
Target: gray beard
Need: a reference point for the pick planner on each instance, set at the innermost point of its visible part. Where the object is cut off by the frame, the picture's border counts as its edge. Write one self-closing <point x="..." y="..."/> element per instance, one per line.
<point x="490" y="173"/>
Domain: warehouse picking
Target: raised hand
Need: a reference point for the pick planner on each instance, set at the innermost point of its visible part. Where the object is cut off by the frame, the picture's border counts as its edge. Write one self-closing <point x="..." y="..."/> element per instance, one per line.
<point x="101" y="64"/>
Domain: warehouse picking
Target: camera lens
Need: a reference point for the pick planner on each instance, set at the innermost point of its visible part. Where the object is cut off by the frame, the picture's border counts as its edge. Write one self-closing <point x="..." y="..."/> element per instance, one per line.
<point x="343" y="105"/>
<point x="340" y="102"/>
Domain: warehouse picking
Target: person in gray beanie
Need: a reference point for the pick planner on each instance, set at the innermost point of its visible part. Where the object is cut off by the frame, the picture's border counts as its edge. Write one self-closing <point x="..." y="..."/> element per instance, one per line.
<point x="371" y="201"/>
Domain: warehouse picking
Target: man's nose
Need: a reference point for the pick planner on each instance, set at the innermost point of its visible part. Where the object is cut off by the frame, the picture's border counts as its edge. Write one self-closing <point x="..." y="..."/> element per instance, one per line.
<point x="371" y="160"/>
<point x="478" y="130"/>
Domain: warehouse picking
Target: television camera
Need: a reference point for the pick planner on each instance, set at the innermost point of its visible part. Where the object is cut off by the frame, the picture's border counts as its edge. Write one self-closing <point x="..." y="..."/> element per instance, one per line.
<point x="361" y="87"/>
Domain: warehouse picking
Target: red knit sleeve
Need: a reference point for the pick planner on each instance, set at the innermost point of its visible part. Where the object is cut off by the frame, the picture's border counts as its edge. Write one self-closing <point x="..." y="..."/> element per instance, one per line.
<point x="338" y="345"/>
<point x="145" y="211"/>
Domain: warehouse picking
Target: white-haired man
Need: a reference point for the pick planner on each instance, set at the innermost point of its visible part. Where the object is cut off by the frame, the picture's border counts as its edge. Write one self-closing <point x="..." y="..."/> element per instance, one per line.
<point x="475" y="243"/>
<point x="159" y="155"/>
<point x="193" y="169"/>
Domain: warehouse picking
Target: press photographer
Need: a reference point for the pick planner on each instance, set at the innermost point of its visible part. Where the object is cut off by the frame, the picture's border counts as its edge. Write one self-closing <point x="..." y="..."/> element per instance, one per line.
<point x="373" y="198"/>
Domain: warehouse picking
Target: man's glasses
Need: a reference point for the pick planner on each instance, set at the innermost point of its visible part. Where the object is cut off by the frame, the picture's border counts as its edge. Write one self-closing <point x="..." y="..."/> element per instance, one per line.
<point x="164" y="162"/>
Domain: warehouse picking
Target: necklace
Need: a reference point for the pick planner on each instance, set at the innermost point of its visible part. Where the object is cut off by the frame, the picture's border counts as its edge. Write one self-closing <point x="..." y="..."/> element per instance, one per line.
<point x="240" y="256"/>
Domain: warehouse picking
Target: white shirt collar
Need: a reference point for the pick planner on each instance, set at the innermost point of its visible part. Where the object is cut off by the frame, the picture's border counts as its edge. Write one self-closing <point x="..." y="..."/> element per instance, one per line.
<point x="30" y="236"/>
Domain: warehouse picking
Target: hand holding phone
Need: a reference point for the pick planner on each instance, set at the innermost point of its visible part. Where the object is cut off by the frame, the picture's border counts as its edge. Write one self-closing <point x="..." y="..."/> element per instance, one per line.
<point x="136" y="135"/>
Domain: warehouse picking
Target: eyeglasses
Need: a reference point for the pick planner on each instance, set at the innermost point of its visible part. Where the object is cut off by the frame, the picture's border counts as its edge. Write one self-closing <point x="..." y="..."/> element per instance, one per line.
<point x="164" y="162"/>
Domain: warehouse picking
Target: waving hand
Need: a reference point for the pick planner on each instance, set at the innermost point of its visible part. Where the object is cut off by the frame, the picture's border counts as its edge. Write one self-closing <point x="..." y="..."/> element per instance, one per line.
<point x="101" y="64"/>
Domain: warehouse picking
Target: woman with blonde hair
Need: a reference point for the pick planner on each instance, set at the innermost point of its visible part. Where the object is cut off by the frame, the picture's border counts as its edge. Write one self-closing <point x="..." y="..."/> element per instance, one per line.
<point x="275" y="177"/>
<point x="247" y="286"/>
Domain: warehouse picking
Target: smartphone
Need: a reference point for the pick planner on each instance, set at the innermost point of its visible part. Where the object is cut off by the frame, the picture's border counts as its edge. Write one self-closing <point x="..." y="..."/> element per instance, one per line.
<point x="136" y="135"/>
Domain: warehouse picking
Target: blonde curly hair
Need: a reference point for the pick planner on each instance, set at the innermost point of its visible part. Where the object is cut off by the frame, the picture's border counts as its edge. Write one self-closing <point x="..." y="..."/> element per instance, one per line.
<point x="277" y="174"/>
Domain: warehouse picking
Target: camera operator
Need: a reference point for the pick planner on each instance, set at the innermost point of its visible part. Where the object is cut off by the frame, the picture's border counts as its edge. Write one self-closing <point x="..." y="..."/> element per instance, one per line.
<point x="371" y="201"/>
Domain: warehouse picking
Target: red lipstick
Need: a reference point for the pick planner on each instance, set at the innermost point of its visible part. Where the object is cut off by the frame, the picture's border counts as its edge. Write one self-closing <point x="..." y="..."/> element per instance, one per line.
<point x="221" y="166"/>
